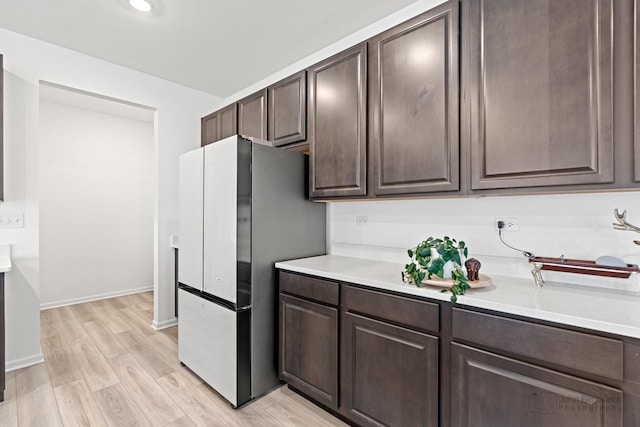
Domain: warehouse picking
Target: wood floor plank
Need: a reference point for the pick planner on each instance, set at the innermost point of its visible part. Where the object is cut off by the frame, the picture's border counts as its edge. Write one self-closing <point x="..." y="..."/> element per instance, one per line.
<point x="61" y="364"/>
<point x="132" y="338"/>
<point x="83" y="312"/>
<point x="111" y="318"/>
<point x="166" y="347"/>
<point x="297" y="411"/>
<point x="105" y="365"/>
<point x="249" y="415"/>
<point x="35" y="399"/>
<point x="49" y="325"/>
<point x="49" y="328"/>
<point x="9" y="408"/>
<point x="78" y="406"/>
<point x="182" y="422"/>
<point x="106" y="341"/>
<point x="118" y="409"/>
<point x="140" y="301"/>
<point x="96" y="371"/>
<point x="171" y="332"/>
<point x="129" y="315"/>
<point x="65" y="313"/>
<point x="117" y="303"/>
<point x="202" y="407"/>
<point x="157" y="407"/>
<point x="144" y="350"/>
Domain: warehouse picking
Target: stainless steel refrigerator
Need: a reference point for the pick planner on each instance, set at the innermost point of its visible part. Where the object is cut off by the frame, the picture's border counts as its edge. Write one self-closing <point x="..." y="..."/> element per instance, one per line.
<point x="243" y="207"/>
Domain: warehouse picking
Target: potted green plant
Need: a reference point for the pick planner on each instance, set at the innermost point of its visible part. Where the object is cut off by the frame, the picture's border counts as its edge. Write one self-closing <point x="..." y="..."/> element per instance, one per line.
<point x="439" y="257"/>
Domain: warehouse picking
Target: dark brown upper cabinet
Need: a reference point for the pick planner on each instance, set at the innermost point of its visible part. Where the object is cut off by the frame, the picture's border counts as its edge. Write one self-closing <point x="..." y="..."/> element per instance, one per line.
<point x="338" y="124"/>
<point x="219" y="124"/>
<point x="228" y="121"/>
<point x="209" y="128"/>
<point x="252" y="115"/>
<point x="537" y="106"/>
<point x="288" y="110"/>
<point x="413" y="105"/>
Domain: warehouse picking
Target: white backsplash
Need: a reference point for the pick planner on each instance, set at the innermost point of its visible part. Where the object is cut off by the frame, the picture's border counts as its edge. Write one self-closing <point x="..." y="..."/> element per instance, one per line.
<point x="574" y="225"/>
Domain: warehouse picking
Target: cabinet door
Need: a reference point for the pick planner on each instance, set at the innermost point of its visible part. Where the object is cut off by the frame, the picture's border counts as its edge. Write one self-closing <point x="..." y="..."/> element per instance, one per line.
<point x="537" y="95"/>
<point x="391" y="374"/>
<point x="288" y="110"/>
<point x="337" y="124"/>
<point x="489" y="390"/>
<point x="2" y="339"/>
<point x="309" y="348"/>
<point x="413" y="105"/>
<point x="227" y="121"/>
<point x="209" y="129"/>
<point x="252" y="115"/>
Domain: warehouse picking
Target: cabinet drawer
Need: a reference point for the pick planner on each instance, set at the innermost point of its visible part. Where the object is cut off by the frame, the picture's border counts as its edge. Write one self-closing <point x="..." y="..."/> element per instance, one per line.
<point x="492" y="390"/>
<point x="575" y="350"/>
<point x="417" y="314"/>
<point x="310" y="287"/>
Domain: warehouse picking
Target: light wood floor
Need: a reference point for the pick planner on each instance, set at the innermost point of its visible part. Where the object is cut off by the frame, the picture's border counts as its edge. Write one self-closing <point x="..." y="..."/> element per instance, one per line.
<point x="105" y="366"/>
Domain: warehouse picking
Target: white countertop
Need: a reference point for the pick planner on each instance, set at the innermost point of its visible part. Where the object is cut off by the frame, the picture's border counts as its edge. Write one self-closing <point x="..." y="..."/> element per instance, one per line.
<point x="5" y="258"/>
<point x="599" y="309"/>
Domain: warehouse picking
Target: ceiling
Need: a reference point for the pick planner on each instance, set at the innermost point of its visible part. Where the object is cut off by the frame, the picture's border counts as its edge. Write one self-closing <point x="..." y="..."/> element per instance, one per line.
<point x="209" y="45"/>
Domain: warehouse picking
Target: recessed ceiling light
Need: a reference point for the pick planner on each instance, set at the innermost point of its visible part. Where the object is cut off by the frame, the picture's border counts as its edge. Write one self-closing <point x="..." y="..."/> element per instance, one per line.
<point x="141" y="5"/>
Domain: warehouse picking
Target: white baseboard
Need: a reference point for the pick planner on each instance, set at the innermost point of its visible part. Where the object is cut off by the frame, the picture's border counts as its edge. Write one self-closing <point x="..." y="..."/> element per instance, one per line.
<point x="90" y="298"/>
<point x="164" y="324"/>
<point x="24" y="362"/>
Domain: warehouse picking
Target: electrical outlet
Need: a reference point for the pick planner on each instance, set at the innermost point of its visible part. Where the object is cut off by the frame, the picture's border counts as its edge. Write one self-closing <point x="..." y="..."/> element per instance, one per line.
<point x="12" y="221"/>
<point x="510" y="224"/>
<point x="362" y="220"/>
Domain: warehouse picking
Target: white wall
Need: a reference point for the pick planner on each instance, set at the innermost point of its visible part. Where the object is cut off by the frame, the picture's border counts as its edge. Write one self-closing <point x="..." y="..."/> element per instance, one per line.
<point x="96" y="204"/>
<point x="575" y="225"/>
<point x="176" y="130"/>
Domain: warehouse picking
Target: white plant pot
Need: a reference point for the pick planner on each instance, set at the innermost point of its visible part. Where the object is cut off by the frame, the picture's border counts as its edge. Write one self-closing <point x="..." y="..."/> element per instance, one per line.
<point x="448" y="268"/>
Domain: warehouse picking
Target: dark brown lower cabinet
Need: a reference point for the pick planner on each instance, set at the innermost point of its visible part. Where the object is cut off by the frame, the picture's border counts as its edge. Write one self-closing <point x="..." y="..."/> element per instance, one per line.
<point x="2" y="338"/>
<point x="309" y="348"/>
<point x="379" y="358"/>
<point x="391" y="374"/>
<point x="489" y="390"/>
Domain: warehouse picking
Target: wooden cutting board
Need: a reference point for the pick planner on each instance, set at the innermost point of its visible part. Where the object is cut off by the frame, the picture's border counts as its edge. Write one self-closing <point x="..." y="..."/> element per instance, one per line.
<point x="446" y="283"/>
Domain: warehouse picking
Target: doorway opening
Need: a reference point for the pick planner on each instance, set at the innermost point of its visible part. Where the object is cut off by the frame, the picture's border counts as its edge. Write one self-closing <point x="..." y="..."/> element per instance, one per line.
<point x="96" y="202"/>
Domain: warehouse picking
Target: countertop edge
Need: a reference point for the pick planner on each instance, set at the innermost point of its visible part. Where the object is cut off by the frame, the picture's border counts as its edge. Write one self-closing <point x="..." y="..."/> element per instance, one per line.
<point x="480" y="300"/>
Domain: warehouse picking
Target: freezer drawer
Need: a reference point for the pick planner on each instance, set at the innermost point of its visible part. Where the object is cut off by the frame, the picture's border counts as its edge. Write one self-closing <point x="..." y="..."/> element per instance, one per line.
<point x="208" y="345"/>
